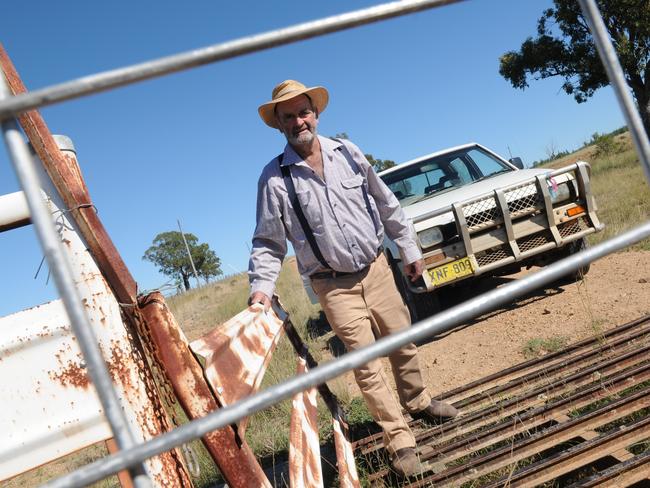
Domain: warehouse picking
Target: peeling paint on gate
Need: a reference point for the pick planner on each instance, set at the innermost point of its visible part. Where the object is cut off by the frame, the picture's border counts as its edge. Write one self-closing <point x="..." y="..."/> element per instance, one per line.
<point x="71" y="374"/>
<point x="347" y="468"/>
<point x="54" y="411"/>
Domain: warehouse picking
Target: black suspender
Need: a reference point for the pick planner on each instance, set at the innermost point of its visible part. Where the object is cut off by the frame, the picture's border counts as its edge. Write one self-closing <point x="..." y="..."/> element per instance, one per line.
<point x="306" y="228"/>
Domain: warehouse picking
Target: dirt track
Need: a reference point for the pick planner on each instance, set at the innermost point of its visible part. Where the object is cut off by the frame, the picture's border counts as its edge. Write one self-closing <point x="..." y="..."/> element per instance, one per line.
<point x="615" y="291"/>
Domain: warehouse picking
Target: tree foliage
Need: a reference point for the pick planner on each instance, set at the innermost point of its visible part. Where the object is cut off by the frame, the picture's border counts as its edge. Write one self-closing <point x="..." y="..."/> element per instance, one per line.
<point x="168" y="252"/>
<point x="564" y="48"/>
<point x="377" y="164"/>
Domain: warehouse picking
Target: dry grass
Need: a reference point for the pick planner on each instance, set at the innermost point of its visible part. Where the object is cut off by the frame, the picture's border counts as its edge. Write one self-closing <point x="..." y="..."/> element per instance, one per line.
<point x="539" y="346"/>
<point x="201" y="310"/>
<point x="62" y="466"/>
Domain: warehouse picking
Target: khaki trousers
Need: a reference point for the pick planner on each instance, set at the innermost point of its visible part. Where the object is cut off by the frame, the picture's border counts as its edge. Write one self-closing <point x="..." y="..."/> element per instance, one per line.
<point x="363" y="306"/>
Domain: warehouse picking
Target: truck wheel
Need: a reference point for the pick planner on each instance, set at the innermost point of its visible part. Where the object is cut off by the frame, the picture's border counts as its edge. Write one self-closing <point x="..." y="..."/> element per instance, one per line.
<point x="576" y="247"/>
<point x="420" y="305"/>
<point x="425" y="304"/>
<point x="571" y="249"/>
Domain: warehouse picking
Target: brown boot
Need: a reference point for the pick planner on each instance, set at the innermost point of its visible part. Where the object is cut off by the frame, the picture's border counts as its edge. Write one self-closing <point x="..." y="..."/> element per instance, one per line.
<point x="405" y="462"/>
<point x="436" y="413"/>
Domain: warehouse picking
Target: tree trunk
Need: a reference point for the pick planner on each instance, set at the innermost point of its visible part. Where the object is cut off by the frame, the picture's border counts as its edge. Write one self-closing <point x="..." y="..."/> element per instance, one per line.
<point x="186" y="281"/>
<point x="645" y="115"/>
<point x="642" y="97"/>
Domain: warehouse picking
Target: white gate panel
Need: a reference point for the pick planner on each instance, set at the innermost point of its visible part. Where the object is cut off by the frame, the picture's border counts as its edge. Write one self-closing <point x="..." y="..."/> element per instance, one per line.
<point x="48" y="407"/>
<point x="49" y="404"/>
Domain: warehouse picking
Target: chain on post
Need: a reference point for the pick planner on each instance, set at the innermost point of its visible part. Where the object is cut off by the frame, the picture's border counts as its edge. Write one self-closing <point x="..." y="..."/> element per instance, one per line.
<point x="160" y="383"/>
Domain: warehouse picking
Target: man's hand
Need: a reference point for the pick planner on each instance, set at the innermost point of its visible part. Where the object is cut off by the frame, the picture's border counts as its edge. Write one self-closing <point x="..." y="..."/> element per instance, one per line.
<point x="259" y="297"/>
<point x="414" y="269"/>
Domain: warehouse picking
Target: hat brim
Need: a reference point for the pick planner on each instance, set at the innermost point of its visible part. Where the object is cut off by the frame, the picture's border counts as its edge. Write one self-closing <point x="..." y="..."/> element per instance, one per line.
<point x="319" y="98"/>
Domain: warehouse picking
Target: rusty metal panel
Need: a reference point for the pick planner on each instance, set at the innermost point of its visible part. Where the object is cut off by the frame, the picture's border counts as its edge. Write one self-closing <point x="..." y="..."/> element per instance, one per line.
<point x="232" y="454"/>
<point x="305" y="468"/>
<point x="347" y="469"/>
<point x="236" y="354"/>
<point x="235" y="357"/>
<point x="102" y="275"/>
<point x="66" y="384"/>
<point x="49" y="408"/>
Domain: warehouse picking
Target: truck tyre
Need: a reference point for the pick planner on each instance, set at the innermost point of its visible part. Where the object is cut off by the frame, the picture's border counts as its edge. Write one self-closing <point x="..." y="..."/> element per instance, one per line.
<point x="420" y="305"/>
<point x="571" y="249"/>
<point x="574" y="248"/>
<point x="425" y="305"/>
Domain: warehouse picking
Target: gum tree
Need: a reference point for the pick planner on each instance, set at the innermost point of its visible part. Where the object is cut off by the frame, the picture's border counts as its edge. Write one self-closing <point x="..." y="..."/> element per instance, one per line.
<point x="169" y="254"/>
<point x="564" y="48"/>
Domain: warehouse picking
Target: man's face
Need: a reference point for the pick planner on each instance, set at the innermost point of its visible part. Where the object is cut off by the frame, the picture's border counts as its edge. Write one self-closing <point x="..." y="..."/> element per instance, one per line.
<point x="297" y="120"/>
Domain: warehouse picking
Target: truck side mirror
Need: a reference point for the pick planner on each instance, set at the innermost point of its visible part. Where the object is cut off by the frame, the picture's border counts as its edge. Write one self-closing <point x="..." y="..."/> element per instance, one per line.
<point x="517" y="162"/>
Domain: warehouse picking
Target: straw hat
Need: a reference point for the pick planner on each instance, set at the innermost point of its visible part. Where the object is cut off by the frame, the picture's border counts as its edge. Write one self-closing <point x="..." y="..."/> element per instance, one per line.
<point x="287" y="90"/>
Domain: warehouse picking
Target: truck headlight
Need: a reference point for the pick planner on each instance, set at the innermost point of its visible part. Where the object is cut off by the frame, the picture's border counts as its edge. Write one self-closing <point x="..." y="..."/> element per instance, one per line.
<point x="561" y="193"/>
<point x="430" y="237"/>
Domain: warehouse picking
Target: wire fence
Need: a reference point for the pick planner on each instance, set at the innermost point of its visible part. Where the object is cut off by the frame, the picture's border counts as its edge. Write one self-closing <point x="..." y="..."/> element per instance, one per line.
<point x="131" y="454"/>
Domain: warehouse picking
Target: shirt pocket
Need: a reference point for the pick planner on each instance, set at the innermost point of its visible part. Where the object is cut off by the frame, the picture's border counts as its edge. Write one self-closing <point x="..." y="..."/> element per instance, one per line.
<point x="352" y="182"/>
<point x="312" y="211"/>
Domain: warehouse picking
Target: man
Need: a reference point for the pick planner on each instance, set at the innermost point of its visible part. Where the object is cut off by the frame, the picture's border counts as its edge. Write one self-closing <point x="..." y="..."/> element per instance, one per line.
<point x="323" y="196"/>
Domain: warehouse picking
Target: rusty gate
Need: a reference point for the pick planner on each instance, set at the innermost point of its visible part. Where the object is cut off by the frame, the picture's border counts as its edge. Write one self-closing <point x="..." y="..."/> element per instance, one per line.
<point x="56" y="411"/>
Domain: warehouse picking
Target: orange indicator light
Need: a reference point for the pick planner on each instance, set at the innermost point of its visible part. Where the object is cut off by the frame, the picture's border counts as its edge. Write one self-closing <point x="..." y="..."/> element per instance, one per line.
<point x="575" y="211"/>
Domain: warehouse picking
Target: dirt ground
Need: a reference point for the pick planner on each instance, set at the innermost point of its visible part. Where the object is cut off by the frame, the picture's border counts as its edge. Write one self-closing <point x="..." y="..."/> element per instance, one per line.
<point x="615" y="291"/>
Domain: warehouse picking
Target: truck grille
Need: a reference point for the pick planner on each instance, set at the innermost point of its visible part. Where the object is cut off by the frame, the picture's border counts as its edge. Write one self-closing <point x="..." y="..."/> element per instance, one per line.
<point x="492" y="255"/>
<point x="481" y="213"/>
<point x="573" y="227"/>
<point x="533" y="241"/>
<point x="530" y="242"/>
<point x="523" y="200"/>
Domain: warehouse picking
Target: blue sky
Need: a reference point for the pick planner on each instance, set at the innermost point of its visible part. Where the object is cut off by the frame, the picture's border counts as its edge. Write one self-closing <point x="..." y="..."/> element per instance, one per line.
<point x="190" y="146"/>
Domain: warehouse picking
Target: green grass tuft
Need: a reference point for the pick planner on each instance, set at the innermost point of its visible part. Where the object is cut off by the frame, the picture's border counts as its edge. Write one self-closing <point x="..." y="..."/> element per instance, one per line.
<point x="539" y="347"/>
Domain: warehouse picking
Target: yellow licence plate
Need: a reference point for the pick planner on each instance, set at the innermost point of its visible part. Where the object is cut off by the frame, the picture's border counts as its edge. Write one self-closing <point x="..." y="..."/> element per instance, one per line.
<point x="451" y="271"/>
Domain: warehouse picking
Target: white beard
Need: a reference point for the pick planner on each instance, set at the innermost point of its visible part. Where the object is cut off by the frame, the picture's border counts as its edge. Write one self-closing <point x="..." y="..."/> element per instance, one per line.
<point x="302" y="138"/>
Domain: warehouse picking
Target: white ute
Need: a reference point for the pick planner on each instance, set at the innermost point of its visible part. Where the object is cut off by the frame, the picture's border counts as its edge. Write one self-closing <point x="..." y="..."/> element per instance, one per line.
<point x="475" y="213"/>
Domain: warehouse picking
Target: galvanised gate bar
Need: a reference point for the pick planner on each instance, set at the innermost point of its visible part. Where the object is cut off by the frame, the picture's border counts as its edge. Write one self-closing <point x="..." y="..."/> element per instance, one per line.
<point x="132" y="453"/>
